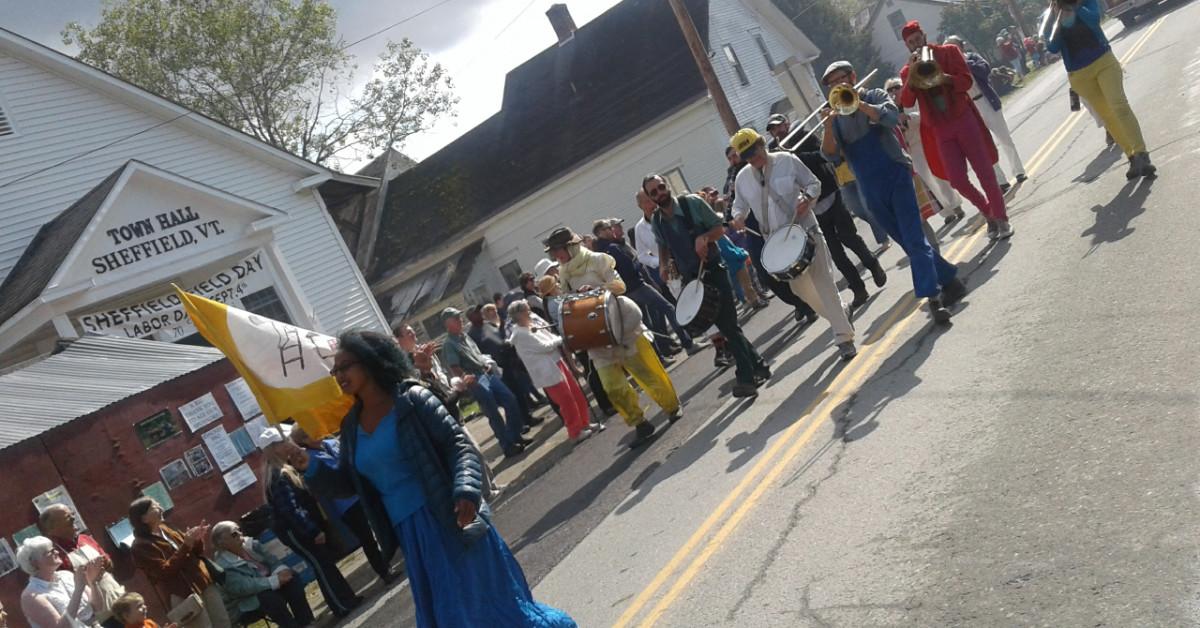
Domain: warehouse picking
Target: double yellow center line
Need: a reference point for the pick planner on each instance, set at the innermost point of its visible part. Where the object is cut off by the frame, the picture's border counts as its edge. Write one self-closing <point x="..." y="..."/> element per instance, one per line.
<point x="771" y="464"/>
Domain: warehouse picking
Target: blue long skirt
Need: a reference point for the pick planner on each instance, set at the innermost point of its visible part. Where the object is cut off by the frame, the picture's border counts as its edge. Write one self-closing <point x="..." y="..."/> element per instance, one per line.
<point x="460" y="586"/>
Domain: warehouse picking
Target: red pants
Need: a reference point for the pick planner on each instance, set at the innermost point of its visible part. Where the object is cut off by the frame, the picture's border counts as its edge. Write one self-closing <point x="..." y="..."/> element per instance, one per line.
<point x="571" y="402"/>
<point x="965" y="140"/>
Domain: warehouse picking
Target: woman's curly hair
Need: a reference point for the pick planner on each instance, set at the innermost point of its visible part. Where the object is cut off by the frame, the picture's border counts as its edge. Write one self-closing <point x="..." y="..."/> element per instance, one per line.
<point x="379" y="355"/>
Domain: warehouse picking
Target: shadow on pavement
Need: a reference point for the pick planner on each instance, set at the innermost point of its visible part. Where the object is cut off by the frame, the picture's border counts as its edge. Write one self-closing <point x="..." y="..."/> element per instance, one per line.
<point x="857" y="417"/>
<point x="1100" y="164"/>
<point x="1113" y="220"/>
<point x="982" y="267"/>
<point x="747" y="445"/>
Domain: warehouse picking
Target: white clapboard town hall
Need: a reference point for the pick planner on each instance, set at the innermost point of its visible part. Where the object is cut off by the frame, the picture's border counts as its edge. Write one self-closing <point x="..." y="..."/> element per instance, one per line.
<point x="108" y="194"/>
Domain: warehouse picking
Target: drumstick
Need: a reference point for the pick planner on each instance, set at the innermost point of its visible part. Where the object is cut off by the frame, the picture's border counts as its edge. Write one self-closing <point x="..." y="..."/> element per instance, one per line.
<point x="749" y="230"/>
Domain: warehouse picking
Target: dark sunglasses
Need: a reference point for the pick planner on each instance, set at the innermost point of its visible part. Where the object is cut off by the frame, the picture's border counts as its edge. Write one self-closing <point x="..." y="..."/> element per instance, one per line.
<point x="661" y="187"/>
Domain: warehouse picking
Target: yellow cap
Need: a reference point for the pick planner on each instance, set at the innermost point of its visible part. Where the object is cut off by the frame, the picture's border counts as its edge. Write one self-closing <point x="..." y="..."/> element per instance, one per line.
<point x="744" y="140"/>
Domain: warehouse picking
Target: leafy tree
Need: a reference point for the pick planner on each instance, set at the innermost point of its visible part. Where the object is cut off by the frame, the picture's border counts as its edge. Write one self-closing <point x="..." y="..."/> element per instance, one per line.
<point x="979" y="21"/>
<point x="827" y="24"/>
<point x="275" y="69"/>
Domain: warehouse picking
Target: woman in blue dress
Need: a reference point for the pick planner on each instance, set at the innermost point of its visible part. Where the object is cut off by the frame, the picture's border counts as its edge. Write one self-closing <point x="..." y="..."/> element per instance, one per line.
<point x="420" y="480"/>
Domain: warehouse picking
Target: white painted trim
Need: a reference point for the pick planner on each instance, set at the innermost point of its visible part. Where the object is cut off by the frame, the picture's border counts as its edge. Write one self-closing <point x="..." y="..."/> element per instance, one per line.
<point x="417" y="266"/>
<point x="63" y="327"/>
<point x="341" y="244"/>
<point x="133" y="167"/>
<point x="19" y="328"/>
<point x="290" y="289"/>
<point x="64" y="65"/>
<point x="308" y="182"/>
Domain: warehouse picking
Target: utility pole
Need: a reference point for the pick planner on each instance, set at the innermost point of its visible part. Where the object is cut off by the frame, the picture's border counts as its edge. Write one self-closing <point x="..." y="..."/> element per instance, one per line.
<point x="368" y="231"/>
<point x="700" y="54"/>
<point x="1018" y="19"/>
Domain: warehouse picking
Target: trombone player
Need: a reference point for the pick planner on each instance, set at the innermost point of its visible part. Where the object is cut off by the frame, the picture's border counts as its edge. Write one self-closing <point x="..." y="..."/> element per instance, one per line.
<point x="952" y="130"/>
<point x="861" y="127"/>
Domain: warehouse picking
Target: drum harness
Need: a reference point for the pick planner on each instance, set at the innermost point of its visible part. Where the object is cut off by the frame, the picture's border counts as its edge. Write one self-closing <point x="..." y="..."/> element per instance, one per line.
<point x="768" y="194"/>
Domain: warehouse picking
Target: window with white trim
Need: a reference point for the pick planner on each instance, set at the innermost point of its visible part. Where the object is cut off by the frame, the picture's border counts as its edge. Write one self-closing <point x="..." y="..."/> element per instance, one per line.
<point x="6" y="127"/>
<point x="675" y="181"/>
<point x="762" y="47"/>
<point x="732" y="58"/>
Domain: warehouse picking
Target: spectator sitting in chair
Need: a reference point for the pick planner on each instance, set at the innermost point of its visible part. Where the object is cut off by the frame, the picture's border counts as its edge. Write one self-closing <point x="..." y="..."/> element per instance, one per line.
<point x="256" y="583"/>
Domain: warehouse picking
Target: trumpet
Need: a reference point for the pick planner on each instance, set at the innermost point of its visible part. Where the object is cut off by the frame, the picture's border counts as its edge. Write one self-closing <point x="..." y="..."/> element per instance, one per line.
<point x="926" y="73"/>
<point x="843" y="99"/>
<point x="787" y="142"/>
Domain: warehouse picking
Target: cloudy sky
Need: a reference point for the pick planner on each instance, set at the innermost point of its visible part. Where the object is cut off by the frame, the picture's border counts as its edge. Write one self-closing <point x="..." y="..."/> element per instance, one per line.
<point x="477" y="40"/>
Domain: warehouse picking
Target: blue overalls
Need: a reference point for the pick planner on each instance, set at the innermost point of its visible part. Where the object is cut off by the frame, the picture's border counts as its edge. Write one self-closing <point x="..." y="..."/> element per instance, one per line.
<point x="887" y="188"/>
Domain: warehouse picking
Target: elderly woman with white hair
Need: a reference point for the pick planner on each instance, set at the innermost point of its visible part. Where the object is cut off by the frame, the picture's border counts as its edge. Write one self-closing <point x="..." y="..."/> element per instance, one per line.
<point x="257" y="581"/>
<point x="541" y="352"/>
<point x="56" y="599"/>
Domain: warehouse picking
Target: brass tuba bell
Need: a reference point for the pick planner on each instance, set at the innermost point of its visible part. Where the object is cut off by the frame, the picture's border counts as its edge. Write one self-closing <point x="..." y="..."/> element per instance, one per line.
<point x="926" y="73"/>
<point x="843" y="99"/>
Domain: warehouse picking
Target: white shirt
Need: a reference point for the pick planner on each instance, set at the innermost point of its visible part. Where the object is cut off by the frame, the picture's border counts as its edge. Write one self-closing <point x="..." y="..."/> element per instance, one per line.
<point x="788" y="179"/>
<point x="647" y="245"/>
<point x="58" y="592"/>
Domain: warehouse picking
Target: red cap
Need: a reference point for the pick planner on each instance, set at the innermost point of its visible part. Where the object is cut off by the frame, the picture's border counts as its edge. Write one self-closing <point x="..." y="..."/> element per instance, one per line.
<point x="913" y="26"/>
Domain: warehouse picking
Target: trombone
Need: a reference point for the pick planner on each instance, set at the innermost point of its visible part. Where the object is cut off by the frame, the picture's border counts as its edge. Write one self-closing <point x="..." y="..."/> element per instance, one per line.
<point x="783" y="144"/>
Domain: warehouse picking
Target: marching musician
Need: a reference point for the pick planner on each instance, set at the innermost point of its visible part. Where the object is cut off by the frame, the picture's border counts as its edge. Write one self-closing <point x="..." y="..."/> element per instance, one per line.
<point x="837" y="225"/>
<point x="781" y="190"/>
<point x="1095" y="73"/>
<point x="581" y="270"/>
<point x="987" y="102"/>
<point x="866" y="140"/>
<point x="953" y="131"/>
<point x="687" y="230"/>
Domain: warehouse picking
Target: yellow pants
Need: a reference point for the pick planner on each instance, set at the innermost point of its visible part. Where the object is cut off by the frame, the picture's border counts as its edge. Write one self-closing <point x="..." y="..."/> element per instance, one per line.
<point x="1103" y="87"/>
<point x="649" y="373"/>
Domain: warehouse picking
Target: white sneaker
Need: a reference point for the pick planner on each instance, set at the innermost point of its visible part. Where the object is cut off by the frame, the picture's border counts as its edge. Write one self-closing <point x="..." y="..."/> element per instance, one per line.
<point x="583" y="435"/>
<point x="597" y="427"/>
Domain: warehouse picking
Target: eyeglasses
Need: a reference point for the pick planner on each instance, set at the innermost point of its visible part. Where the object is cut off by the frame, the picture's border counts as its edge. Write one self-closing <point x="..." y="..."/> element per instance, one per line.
<point x="341" y="368"/>
<point x="237" y="534"/>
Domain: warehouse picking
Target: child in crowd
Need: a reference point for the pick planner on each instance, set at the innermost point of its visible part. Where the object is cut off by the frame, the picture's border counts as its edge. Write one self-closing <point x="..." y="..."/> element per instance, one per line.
<point x="130" y="612"/>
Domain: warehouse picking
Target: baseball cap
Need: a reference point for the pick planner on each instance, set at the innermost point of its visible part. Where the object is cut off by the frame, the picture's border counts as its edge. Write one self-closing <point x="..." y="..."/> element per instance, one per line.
<point x="776" y="119"/>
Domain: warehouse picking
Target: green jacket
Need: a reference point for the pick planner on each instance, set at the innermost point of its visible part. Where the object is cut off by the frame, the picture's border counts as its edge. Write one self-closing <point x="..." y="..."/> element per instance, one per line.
<point x="243" y="581"/>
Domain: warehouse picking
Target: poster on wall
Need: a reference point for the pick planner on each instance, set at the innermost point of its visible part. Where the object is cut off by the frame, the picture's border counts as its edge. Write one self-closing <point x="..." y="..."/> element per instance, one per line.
<point x="8" y="560"/>
<point x="121" y="532"/>
<point x="200" y="412"/>
<point x="156" y="429"/>
<point x="59" y="495"/>
<point x="223" y="451"/>
<point x="242" y="441"/>
<point x="240" y="478"/>
<point x="255" y="428"/>
<point x="158" y="492"/>
<point x="246" y="404"/>
<point x="175" y="474"/>
<point x="27" y="532"/>
<point x="197" y="461"/>
<point x="163" y="316"/>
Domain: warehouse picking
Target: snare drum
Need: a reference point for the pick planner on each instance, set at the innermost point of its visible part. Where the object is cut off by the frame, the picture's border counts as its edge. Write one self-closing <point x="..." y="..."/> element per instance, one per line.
<point x="586" y="320"/>
<point x="788" y="252"/>
<point x="697" y="306"/>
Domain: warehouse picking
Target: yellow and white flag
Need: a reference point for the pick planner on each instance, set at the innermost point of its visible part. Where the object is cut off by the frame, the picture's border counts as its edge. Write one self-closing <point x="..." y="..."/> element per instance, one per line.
<point x="285" y="366"/>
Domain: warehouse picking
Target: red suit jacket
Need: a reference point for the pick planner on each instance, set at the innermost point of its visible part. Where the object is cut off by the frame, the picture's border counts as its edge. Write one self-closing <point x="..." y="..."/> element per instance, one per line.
<point x="950" y="59"/>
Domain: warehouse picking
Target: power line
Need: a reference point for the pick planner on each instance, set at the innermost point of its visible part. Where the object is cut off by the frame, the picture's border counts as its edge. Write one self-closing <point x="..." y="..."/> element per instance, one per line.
<point x="398" y="23"/>
<point x="93" y="150"/>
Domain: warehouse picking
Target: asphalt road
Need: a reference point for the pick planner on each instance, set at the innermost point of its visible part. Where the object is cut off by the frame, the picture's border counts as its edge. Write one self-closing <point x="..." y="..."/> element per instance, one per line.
<point x="1033" y="464"/>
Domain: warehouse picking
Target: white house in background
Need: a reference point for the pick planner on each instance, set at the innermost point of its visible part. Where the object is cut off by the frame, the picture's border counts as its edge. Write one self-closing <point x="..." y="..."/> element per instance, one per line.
<point x="580" y="124"/>
<point x="108" y="194"/>
<point x="887" y="17"/>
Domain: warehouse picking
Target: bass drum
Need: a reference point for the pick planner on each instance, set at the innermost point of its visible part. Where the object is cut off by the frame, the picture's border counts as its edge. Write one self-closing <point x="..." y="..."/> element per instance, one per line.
<point x="697" y="306"/>
<point x="591" y="320"/>
<point x="788" y="252"/>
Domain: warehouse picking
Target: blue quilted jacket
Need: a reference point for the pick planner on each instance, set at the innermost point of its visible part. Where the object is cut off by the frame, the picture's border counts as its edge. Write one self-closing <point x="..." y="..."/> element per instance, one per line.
<point x="449" y="467"/>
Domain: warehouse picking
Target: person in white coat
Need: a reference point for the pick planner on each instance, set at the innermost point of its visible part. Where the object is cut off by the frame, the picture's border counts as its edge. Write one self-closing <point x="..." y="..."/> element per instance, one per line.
<point x="541" y="352"/>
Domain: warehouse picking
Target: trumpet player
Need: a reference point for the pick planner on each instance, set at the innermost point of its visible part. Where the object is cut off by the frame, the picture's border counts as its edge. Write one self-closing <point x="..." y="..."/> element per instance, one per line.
<point x="952" y="127"/>
<point x="1095" y="74"/>
<point x="866" y="138"/>
<point x="987" y="101"/>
